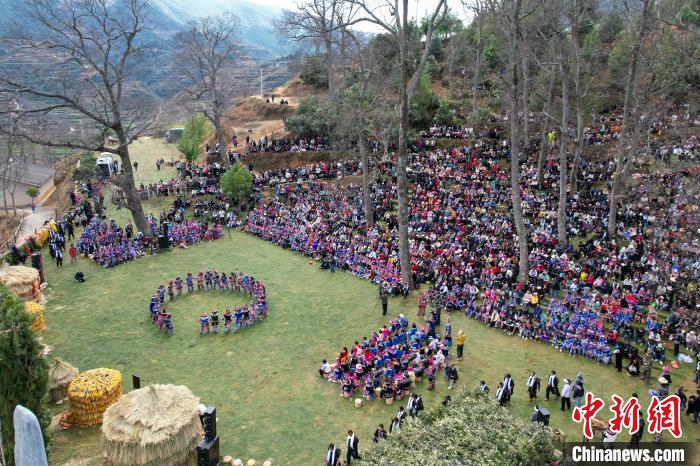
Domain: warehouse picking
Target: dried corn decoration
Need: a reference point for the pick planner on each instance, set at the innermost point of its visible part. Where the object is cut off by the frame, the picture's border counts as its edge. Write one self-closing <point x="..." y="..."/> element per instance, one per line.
<point x="91" y="393"/>
<point x="36" y="310"/>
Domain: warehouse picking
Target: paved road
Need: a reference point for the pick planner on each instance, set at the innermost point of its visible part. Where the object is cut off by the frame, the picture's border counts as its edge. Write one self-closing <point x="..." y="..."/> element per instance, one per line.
<point x="34" y="221"/>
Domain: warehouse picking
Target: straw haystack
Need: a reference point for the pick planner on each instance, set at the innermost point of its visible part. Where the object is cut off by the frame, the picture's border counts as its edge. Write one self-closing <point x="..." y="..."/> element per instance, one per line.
<point x="91" y="393"/>
<point x="22" y="281"/>
<point x="60" y="375"/>
<point x="36" y="310"/>
<point x="153" y="426"/>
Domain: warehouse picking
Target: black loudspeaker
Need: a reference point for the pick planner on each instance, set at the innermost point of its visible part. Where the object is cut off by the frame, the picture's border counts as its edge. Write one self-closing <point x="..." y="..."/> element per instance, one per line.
<point x="38" y="264"/>
<point x="209" y="423"/>
<point x="135" y="381"/>
<point x="163" y="242"/>
<point x="208" y="452"/>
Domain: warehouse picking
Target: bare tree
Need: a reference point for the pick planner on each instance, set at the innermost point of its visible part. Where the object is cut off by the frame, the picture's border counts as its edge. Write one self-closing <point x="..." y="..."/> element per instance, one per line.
<point x="92" y="46"/>
<point x="208" y="45"/>
<point x="578" y="13"/>
<point x="546" y="116"/>
<point x="512" y="14"/>
<point x="563" y="59"/>
<point x="478" y="10"/>
<point x="525" y="69"/>
<point x="315" y="21"/>
<point x="625" y="154"/>
<point x="13" y="165"/>
<point x="397" y="26"/>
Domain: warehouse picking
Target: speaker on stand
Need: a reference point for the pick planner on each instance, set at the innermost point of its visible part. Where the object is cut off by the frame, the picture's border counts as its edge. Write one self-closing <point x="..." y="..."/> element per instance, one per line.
<point x="208" y="449"/>
<point x="38" y="264"/>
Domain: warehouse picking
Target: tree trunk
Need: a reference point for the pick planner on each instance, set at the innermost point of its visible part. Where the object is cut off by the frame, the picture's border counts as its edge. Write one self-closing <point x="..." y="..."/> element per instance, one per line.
<point x="220" y="136"/>
<point x="545" y="126"/>
<point x="578" y="89"/>
<point x="563" y="158"/>
<point x="133" y="202"/>
<point x="329" y="67"/>
<point x="477" y="67"/>
<point x="450" y="61"/>
<point x="402" y="156"/>
<point x="514" y="34"/>
<point x="364" y="157"/>
<point x="573" y="178"/>
<point x="621" y="166"/>
<point x="526" y="97"/>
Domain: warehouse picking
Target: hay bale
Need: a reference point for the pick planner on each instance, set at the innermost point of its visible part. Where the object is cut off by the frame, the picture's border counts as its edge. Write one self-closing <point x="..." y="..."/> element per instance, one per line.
<point x="151" y="426"/>
<point x="60" y="375"/>
<point x="22" y="281"/>
<point x="36" y="310"/>
<point x="91" y="393"/>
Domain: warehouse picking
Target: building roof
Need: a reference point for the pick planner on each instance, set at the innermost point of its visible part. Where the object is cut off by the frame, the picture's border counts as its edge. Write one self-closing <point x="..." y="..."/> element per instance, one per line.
<point x="32" y="174"/>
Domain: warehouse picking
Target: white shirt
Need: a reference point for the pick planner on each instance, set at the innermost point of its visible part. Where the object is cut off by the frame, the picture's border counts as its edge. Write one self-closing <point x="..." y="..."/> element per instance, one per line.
<point x="566" y="390"/>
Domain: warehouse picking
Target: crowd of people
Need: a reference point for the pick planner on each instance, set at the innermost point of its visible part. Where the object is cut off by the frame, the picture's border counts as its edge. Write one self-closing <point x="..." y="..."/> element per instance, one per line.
<point x="212" y="281"/>
<point x="287" y="144"/>
<point x="462" y="243"/>
<point x="392" y="359"/>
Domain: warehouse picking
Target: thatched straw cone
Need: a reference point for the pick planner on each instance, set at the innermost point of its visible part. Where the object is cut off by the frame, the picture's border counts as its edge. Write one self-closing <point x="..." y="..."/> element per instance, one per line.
<point x="22" y="281"/>
<point x="60" y="375"/>
<point x="153" y="426"/>
<point x="36" y="310"/>
<point x="91" y="393"/>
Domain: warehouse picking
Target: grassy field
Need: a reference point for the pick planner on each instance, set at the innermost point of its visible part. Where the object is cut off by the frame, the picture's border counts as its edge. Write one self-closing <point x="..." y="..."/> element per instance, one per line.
<point x="263" y="381"/>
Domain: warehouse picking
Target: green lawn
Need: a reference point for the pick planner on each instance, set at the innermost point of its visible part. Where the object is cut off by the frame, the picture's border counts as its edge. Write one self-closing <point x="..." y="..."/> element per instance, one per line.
<point x="263" y="381"/>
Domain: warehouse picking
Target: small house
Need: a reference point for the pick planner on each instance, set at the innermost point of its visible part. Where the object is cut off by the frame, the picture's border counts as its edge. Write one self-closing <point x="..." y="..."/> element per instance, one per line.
<point x="18" y="177"/>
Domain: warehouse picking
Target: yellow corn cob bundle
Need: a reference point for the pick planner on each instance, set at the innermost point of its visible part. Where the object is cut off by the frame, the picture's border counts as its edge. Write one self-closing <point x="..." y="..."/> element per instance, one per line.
<point x="91" y="393"/>
<point x="37" y="311"/>
<point x="41" y="236"/>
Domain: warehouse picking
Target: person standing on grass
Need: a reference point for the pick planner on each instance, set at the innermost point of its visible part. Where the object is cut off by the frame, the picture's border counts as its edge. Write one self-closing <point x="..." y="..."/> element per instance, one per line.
<point x="533" y="386"/>
<point x="566" y="391"/>
<point x="59" y="258"/>
<point x="73" y="253"/>
<point x="460" y="344"/>
<point x="452" y="375"/>
<point x="353" y="444"/>
<point x="332" y="456"/>
<point x="384" y="298"/>
<point x="552" y="385"/>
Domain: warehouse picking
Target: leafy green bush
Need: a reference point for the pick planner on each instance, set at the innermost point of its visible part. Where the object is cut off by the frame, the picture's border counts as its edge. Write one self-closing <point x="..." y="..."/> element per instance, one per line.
<point x="86" y="170"/>
<point x="24" y="379"/>
<point x="444" y="115"/>
<point x="609" y="27"/>
<point x="237" y="182"/>
<point x="314" y="72"/>
<point x="472" y="430"/>
<point x="312" y="119"/>
<point x="423" y="105"/>
<point x="193" y="134"/>
<point x="618" y="63"/>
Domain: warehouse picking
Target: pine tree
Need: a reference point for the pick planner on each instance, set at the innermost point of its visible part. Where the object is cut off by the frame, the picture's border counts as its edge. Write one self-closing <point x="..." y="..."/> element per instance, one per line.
<point x="24" y="379"/>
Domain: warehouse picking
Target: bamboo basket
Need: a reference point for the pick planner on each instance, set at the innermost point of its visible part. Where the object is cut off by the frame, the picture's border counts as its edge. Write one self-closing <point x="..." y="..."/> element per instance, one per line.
<point x="91" y="393"/>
